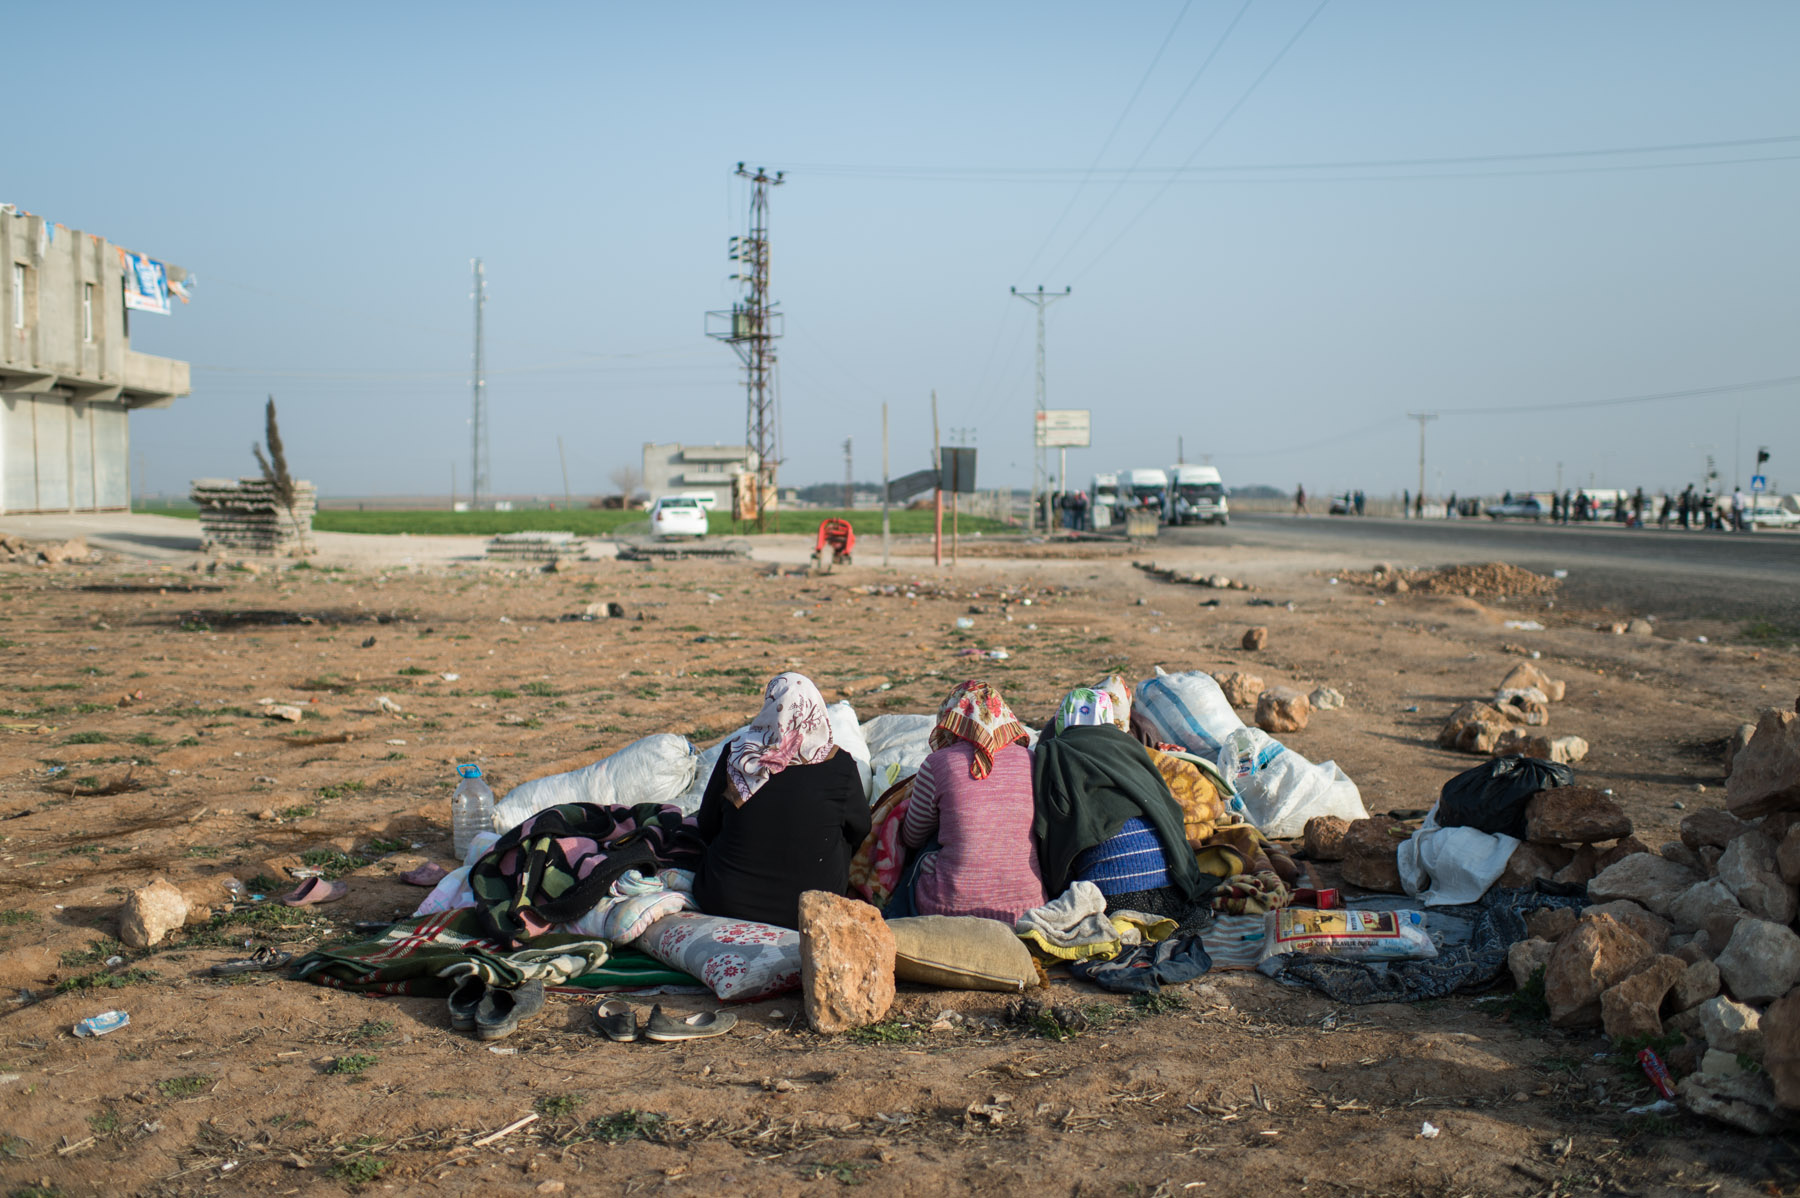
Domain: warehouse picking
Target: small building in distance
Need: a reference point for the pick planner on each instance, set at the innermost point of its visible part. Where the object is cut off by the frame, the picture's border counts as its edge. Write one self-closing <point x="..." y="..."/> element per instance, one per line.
<point x="673" y="468"/>
<point x="68" y="374"/>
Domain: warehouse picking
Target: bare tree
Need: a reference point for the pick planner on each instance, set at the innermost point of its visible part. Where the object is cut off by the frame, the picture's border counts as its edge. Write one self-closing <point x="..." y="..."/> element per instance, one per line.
<point x="629" y="480"/>
<point x="274" y="466"/>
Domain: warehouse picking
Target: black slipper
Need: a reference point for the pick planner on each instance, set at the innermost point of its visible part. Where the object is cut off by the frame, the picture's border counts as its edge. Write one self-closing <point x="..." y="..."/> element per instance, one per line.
<point x="465" y="1000"/>
<point x="265" y="959"/>
<point x="691" y="1027"/>
<point x="502" y="1011"/>
<point x="616" y="1020"/>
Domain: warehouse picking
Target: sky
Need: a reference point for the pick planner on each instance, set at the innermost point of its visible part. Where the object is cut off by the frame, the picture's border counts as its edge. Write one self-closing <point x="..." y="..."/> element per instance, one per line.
<point x="1506" y="247"/>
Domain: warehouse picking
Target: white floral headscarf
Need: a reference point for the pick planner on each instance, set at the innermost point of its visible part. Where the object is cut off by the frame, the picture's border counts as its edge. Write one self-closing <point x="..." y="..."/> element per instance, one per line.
<point x="791" y="729"/>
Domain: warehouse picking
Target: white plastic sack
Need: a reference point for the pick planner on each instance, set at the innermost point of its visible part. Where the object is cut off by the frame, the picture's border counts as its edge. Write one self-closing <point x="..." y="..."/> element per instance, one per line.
<point x="898" y="746"/>
<point x="656" y="769"/>
<point x="1187" y="709"/>
<point x="1280" y="788"/>
<point x="1444" y="867"/>
<point x="452" y="891"/>
<point x="704" y="765"/>
<point x="846" y="733"/>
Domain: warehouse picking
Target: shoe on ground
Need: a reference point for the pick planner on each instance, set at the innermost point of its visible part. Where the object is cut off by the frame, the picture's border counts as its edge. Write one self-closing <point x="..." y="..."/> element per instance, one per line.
<point x="692" y="1027"/>
<point x="502" y="1011"/>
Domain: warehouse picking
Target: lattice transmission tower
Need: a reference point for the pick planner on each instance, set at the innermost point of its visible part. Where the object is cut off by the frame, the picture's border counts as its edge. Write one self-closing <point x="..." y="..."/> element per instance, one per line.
<point x="751" y="328"/>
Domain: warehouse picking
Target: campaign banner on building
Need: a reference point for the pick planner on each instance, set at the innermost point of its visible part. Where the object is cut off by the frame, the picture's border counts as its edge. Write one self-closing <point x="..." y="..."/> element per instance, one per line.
<point x="146" y="283"/>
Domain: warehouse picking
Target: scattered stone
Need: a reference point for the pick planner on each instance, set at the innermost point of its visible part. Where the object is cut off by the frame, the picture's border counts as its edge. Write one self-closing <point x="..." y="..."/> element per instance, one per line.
<point x="1474" y="728"/>
<point x="60" y="553"/>
<point x="1574" y="815"/>
<point x="1742" y="1100"/>
<point x="1551" y="923"/>
<point x="1655" y="930"/>
<point x="1525" y="958"/>
<point x="1731" y="1027"/>
<point x="1748" y="869"/>
<point x="1530" y="862"/>
<point x="846" y="962"/>
<point x="604" y="610"/>
<point x="1581" y="868"/>
<point x="1711" y="826"/>
<point x="1282" y="709"/>
<point x="1525" y="676"/>
<point x="1371" y="858"/>
<point x="283" y="711"/>
<point x="1638" y="626"/>
<point x="151" y="912"/>
<point x="1761" y="962"/>
<point x="267" y="814"/>
<point x="1324" y="837"/>
<point x="1256" y="638"/>
<point x="1697" y="983"/>
<point x="1326" y="698"/>
<point x="1597" y="955"/>
<point x="1517" y="742"/>
<point x="1735" y="745"/>
<point x="1781" y="1048"/>
<point x="1524" y="708"/>
<point x="1630" y="1008"/>
<point x="1765" y="775"/>
<point x="1645" y="879"/>
<point x="1240" y="689"/>
<point x="1701" y="905"/>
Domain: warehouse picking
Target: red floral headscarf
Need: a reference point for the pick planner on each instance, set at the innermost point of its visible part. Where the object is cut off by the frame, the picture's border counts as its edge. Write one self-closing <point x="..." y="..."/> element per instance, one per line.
<point x="975" y="712"/>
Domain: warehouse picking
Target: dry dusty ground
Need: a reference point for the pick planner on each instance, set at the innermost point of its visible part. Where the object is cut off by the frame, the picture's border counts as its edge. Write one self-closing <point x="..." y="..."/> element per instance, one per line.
<point x="1233" y="1085"/>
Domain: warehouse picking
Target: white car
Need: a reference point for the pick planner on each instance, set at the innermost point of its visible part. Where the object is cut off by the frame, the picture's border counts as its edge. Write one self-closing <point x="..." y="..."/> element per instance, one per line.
<point x="677" y="516"/>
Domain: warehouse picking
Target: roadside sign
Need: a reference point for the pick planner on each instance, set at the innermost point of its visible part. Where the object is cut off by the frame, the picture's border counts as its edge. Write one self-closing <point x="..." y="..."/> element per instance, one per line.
<point x="956" y="469"/>
<point x="1759" y="482"/>
<point x="1062" y="428"/>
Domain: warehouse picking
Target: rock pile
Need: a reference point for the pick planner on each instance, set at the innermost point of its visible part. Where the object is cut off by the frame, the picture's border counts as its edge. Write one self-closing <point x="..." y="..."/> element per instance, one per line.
<point x="1499" y="727"/>
<point x="17" y="551"/>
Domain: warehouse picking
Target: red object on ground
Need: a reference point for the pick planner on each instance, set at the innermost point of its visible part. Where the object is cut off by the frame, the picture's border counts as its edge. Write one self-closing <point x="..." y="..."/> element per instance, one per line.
<point x="1657" y="1072"/>
<point x="839" y="535"/>
<point x="1318" y="900"/>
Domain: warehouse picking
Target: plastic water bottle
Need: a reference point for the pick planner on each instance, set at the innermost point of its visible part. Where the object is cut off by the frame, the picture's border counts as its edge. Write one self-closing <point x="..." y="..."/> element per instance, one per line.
<point x="471" y="809"/>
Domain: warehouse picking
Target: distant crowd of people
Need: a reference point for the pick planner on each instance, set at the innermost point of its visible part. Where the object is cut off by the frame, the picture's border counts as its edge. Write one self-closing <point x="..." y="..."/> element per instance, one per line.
<point x="1690" y="509"/>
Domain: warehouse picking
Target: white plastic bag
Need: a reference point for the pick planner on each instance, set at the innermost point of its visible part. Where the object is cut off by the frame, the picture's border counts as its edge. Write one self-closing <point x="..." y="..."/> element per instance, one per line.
<point x="898" y="746"/>
<point x="704" y="765"/>
<point x="1280" y="788"/>
<point x="1444" y="867"/>
<point x="846" y="733"/>
<point x="656" y="769"/>
<point x="453" y="891"/>
<point x="1187" y="709"/>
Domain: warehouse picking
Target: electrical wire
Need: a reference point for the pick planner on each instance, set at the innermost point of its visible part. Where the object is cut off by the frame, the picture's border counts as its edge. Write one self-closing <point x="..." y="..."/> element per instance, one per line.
<point x="1621" y="400"/>
<point x="1207" y="140"/>
<point x="1111" y="134"/>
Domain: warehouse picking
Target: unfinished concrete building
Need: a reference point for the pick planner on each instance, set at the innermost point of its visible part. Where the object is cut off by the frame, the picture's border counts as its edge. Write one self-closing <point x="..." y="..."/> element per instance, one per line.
<point x="68" y="374"/>
<point x="674" y="468"/>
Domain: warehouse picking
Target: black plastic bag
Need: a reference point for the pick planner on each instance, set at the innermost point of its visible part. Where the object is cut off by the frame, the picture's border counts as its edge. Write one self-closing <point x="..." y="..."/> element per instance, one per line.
<point x="1492" y="796"/>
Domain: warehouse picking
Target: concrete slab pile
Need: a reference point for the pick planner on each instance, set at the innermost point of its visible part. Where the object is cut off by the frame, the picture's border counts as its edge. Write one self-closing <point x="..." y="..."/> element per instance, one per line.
<point x="246" y="516"/>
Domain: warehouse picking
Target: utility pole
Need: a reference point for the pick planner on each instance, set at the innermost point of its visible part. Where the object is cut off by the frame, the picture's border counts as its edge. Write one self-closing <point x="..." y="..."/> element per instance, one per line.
<point x="750" y="328"/>
<point x="1423" y="418"/>
<point x="849" y="477"/>
<point x="564" y="459"/>
<point x="937" y="464"/>
<point x="1040" y="299"/>
<point x="478" y="451"/>
<point x="884" y="485"/>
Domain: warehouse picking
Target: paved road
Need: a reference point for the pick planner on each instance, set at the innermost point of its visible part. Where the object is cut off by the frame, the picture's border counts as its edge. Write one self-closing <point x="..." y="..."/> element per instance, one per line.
<point x="1732" y="576"/>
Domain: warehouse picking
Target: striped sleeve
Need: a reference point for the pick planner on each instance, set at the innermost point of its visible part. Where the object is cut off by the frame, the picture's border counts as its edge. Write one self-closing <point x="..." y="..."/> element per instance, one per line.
<point x="921" y="808"/>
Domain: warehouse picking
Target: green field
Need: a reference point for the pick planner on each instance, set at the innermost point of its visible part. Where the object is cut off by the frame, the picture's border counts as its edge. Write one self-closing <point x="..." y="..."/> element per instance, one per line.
<point x="595" y="521"/>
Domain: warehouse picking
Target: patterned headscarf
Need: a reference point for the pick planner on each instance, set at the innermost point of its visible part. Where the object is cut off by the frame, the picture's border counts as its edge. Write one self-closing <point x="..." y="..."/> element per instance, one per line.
<point x="791" y="729"/>
<point x="1118" y="690"/>
<point x="1083" y="706"/>
<point x="975" y="712"/>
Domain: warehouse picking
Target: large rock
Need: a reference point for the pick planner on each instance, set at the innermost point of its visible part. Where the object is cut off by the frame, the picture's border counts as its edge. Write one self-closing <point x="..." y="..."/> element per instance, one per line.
<point x="1518" y="742"/>
<point x="1787" y="857"/>
<point x="1630" y="1008"/>
<point x="1324" y="837"/>
<point x="1749" y="871"/>
<point x="1765" y="775"/>
<point x="1526" y="676"/>
<point x="846" y="962"/>
<point x="1694" y="909"/>
<point x="1574" y="815"/>
<point x="1731" y="1027"/>
<point x="1371" y="854"/>
<point x="1581" y="868"/>
<point x="1325" y="698"/>
<point x="1551" y="923"/>
<point x="1698" y="982"/>
<point x="1525" y="958"/>
<point x="1742" y="1100"/>
<point x="1735" y="745"/>
<point x="151" y="912"/>
<point x="1255" y="638"/>
<point x="1240" y="689"/>
<point x="1524" y="707"/>
<point x="1781" y="1048"/>
<point x="1645" y="879"/>
<point x="1654" y="929"/>
<point x="1283" y="709"/>
<point x="1473" y="728"/>
<point x="56" y="554"/>
<point x="1761" y="962"/>
<point x="1681" y="855"/>
<point x="1530" y="862"/>
<point x="1711" y="826"/>
<point x="1598" y="955"/>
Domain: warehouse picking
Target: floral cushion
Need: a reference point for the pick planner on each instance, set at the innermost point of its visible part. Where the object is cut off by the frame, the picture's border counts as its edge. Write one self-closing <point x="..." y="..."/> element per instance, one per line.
<point x="738" y="959"/>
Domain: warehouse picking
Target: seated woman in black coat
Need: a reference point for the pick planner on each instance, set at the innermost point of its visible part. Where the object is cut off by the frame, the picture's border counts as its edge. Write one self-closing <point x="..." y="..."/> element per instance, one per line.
<point x="783" y="812"/>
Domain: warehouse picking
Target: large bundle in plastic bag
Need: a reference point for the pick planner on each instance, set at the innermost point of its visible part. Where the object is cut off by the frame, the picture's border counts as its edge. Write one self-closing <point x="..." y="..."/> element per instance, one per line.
<point x="1444" y="867"/>
<point x="1280" y="788"/>
<point x="898" y="745"/>
<point x="1187" y="709"/>
<point x="656" y="769"/>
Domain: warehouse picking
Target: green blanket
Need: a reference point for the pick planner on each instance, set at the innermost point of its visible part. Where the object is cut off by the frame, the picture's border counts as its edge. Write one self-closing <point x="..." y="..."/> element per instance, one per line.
<point x="1088" y="780"/>
<point x="426" y="957"/>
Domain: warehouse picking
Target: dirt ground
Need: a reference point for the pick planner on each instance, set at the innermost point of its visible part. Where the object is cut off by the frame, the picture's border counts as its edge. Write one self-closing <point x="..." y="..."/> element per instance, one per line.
<point x="1230" y="1085"/>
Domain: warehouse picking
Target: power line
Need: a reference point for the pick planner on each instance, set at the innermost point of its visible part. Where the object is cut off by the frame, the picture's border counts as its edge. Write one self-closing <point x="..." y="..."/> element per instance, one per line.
<point x="1621" y="400"/>
<point x="1114" y="132"/>
<point x="1207" y="140"/>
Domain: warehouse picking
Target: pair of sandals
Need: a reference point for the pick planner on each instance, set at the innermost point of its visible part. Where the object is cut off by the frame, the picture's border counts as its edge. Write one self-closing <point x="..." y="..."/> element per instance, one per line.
<point x="618" y="1020"/>
<point x="493" y="1012"/>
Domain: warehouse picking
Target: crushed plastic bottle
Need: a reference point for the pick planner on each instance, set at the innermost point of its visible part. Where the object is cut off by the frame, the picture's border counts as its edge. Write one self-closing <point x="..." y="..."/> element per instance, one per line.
<point x="471" y="809"/>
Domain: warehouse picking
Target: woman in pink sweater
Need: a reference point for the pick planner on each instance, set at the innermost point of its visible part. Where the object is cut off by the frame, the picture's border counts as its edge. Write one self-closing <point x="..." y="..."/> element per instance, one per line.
<point x="971" y="810"/>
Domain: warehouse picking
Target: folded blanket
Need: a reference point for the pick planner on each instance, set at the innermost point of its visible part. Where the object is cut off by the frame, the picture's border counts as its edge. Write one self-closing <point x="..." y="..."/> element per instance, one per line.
<point x="425" y="958"/>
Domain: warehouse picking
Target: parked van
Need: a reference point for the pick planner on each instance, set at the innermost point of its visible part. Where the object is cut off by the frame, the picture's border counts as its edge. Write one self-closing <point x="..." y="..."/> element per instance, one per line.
<point x="1196" y="496"/>
<point x="1144" y="489"/>
<point x="1105" y="503"/>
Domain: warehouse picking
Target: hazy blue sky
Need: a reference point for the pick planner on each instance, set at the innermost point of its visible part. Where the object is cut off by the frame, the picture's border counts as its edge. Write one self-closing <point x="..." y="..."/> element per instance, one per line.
<point x="328" y="170"/>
